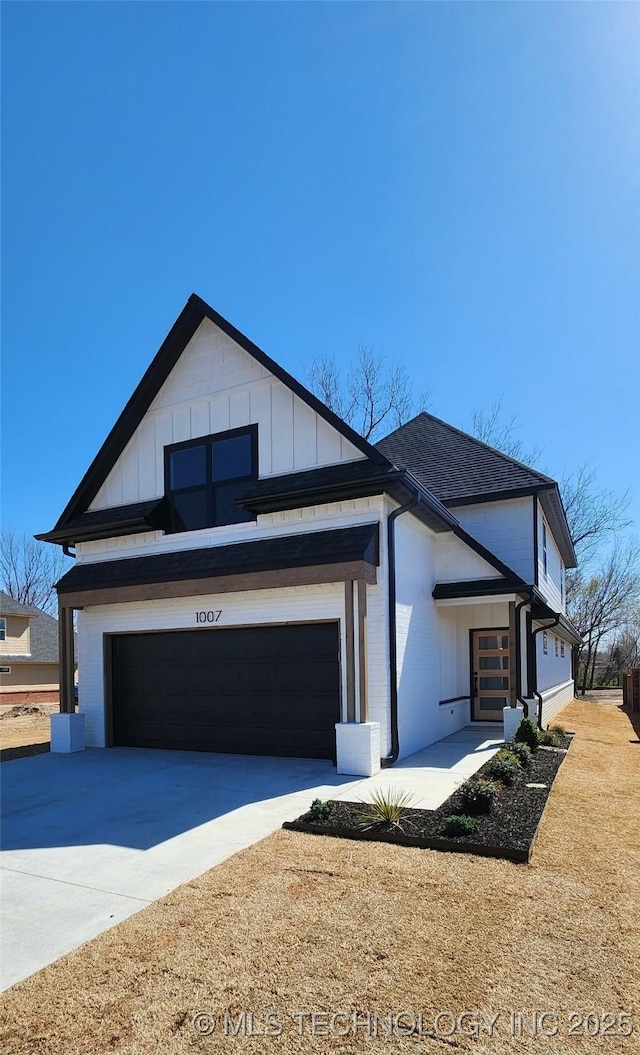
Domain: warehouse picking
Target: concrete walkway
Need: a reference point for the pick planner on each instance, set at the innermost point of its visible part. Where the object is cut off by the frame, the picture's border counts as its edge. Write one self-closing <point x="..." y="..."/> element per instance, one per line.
<point x="89" y="839"/>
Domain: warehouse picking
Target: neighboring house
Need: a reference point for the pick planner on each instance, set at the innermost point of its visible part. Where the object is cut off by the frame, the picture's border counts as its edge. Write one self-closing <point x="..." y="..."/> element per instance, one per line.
<point x="28" y="654"/>
<point x="252" y="576"/>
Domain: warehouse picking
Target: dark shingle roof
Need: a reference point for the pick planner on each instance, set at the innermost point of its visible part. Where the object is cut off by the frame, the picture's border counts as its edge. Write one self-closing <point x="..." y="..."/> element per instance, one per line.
<point x="273" y="492"/>
<point x="288" y="551"/>
<point x="108" y="523"/>
<point x="454" y="465"/>
<point x="43" y="633"/>
<point x="9" y="606"/>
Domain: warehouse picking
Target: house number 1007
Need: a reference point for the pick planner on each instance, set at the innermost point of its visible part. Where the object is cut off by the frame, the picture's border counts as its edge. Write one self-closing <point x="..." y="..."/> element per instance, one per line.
<point x="208" y="617"/>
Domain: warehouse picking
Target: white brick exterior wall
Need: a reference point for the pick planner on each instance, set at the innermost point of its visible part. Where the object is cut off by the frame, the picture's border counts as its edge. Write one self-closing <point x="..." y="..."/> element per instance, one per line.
<point x="268" y="525"/>
<point x="294" y="604"/>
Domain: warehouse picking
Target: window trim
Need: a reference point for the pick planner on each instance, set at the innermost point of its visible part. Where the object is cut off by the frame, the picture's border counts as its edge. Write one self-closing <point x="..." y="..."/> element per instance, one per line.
<point x="562" y="650"/>
<point x="557" y="646"/>
<point x="209" y="484"/>
<point x="545" y="643"/>
<point x="3" y="628"/>
<point x="545" y="560"/>
<point x="5" y="670"/>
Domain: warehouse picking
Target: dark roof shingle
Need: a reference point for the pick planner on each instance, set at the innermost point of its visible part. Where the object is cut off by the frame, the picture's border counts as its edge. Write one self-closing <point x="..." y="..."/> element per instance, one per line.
<point x="453" y="465"/>
<point x="286" y="551"/>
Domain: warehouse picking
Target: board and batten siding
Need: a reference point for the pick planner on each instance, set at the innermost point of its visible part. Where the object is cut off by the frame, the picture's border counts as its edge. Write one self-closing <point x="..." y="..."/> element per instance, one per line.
<point x="298" y="604"/>
<point x="505" y="528"/>
<point x="216" y="385"/>
<point x="550" y="584"/>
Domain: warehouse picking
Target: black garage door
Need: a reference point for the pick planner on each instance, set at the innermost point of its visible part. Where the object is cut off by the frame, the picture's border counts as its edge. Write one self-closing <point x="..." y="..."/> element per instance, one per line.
<point x="268" y="690"/>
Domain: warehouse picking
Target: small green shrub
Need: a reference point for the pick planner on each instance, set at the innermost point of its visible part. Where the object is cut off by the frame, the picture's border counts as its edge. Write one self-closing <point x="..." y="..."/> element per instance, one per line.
<point x="520" y="751"/>
<point x="460" y="824"/>
<point x="503" y="767"/>
<point x="527" y="733"/>
<point x="386" y="807"/>
<point x="320" y="811"/>
<point x="478" y="796"/>
<point x="548" y="738"/>
<point x="559" y="729"/>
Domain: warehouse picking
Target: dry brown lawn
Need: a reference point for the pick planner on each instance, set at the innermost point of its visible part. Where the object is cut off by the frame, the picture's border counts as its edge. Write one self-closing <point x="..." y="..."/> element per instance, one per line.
<point x="300" y="924"/>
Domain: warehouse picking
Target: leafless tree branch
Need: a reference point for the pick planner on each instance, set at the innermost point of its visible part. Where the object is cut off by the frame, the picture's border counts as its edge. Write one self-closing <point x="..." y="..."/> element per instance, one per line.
<point x="29" y="570"/>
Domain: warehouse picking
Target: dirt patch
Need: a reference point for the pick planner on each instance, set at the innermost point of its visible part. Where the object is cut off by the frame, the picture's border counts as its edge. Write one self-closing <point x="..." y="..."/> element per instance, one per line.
<point x="21" y="710"/>
<point x="298" y="924"/>
<point x="23" y="726"/>
<point x="609" y="697"/>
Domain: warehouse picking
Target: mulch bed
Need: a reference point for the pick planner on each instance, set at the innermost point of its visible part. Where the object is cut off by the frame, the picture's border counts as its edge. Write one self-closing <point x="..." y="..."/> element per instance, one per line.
<point x="508" y="831"/>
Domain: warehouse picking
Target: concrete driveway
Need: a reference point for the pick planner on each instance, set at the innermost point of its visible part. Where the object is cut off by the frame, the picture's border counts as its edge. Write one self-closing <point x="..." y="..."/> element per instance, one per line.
<point x="88" y="839"/>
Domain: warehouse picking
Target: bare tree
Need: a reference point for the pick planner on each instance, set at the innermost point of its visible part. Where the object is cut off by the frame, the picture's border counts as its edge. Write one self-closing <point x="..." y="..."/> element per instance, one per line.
<point x="594" y="514"/>
<point x="622" y="654"/>
<point x="602" y="603"/>
<point x="374" y="392"/>
<point x="29" y="570"/>
<point x="494" y="429"/>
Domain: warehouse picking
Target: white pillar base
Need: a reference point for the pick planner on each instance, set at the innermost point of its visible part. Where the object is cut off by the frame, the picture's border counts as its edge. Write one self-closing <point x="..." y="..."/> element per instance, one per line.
<point x="358" y="748"/>
<point x="511" y="716"/>
<point x="67" y="733"/>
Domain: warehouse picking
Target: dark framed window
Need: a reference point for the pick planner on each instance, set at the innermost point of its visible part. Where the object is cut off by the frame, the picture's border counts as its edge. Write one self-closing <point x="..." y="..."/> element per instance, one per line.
<point x="3" y="629"/>
<point x="545" y="642"/>
<point x="562" y="649"/>
<point x="204" y="477"/>
<point x="544" y="548"/>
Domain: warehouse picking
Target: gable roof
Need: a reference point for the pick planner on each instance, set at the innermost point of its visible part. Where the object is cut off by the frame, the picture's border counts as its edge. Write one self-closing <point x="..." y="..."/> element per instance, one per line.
<point x="455" y="466"/>
<point x="183" y="329"/>
<point x="9" y="606"/>
<point x="459" y="470"/>
<point x="43" y="633"/>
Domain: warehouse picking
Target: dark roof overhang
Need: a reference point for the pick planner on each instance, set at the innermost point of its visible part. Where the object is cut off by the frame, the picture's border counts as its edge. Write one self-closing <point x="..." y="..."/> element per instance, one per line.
<point x="353" y="551"/>
<point x="476" y="588"/>
<point x="109" y="523"/>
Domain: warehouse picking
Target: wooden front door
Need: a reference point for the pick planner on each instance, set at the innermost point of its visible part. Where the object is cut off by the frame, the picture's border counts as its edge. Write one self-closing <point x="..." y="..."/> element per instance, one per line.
<point x="489" y="673"/>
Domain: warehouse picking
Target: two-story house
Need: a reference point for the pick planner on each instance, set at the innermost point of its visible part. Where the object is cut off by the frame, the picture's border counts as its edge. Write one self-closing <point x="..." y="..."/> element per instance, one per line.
<point x="28" y="653"/>
<point x="252" y="576"/>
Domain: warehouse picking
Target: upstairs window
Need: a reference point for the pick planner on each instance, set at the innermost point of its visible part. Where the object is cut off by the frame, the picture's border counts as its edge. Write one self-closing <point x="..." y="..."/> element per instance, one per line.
<point x="562" y="649"/>
<point x="204" y="477"/>
<point x="3" y="629"/>
<point x="562" y="582"/>
<point x="544" y="547"/>
<point x="545" y="642"/>
<point x="557" y="644"/>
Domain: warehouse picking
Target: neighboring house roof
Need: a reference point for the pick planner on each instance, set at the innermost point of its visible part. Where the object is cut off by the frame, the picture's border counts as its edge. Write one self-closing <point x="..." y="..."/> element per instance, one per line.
<point x="43" y="633"/>
<point x="9" y="606"/>
<point x="460" y="469"/>
<point x="193" y="313"/>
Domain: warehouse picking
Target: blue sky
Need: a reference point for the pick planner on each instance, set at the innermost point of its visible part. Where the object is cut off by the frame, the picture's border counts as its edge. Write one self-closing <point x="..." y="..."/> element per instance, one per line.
<point x="455" y="185"/>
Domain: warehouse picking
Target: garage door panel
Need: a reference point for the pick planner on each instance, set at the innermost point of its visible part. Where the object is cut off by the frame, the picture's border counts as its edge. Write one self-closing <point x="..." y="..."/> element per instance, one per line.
<point x="258" y="690"/>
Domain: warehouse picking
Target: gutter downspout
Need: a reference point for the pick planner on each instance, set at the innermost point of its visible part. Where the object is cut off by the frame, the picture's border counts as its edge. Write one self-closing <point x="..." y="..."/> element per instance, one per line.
<point x="549" y="626"/>
<point x="393" y="648"/>
<point x="519" y="697"/>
